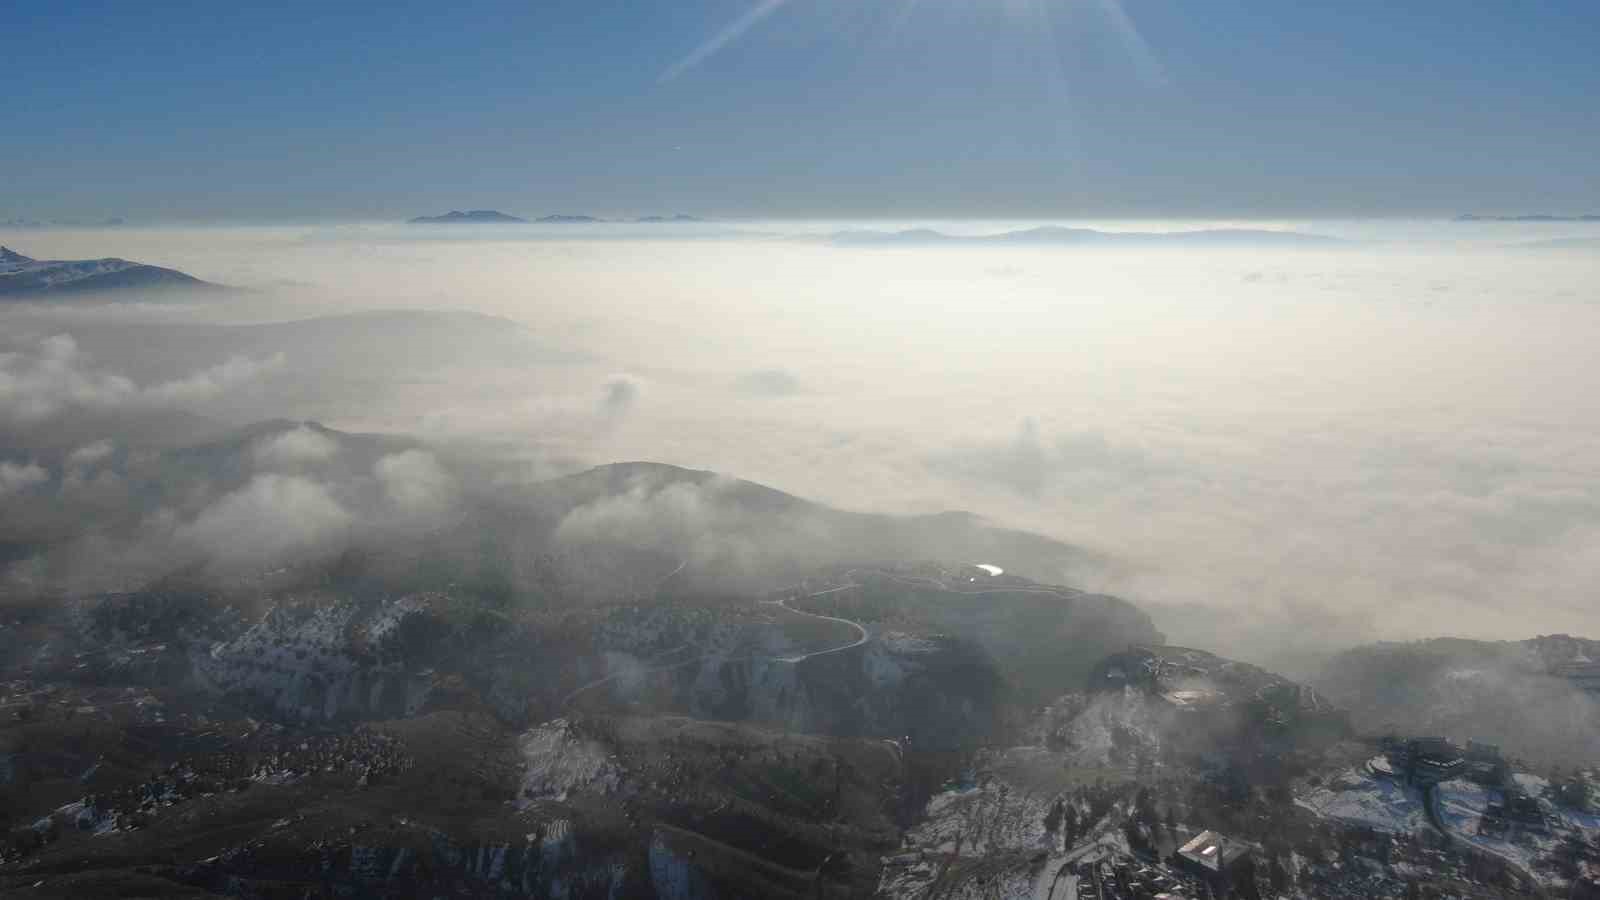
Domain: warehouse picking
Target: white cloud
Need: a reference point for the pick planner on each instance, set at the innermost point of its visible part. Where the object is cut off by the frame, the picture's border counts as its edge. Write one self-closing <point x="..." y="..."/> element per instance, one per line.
<point x="91" y="454"/>
<point x="15" y="478"/>
<point x="298" y="446"/>
<point x="208" y="383"/>
<point x="707" y="523"/>
<point x="415" y="483"/>
<point x="273" y="519"/>
<point x="43" y="378"/>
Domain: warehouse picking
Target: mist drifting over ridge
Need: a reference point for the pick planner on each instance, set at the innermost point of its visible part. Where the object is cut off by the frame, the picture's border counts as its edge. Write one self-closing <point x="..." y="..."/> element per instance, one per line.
<point x="1376" y="436"/>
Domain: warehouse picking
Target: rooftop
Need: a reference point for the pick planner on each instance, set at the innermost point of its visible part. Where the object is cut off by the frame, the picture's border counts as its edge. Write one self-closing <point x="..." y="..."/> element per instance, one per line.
<point x="1213" y="851"/>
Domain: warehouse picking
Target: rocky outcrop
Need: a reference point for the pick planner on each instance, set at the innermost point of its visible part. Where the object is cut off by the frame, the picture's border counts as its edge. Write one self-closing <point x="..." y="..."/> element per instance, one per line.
<point x="342" y="660"/>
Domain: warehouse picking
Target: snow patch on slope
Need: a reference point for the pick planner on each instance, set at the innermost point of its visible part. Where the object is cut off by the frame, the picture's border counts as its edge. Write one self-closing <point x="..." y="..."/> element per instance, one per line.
<point x="1380" y="803"/>
<point x="560" y="761"/>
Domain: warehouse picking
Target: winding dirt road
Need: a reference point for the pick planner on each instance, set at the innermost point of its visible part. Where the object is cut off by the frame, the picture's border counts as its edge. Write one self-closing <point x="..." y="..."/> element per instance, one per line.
<point x="862" y="638"/>
<point x="800" y="658"/>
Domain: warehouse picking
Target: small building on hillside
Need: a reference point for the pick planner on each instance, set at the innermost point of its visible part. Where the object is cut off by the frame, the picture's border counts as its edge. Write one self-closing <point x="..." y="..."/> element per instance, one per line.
<point x="1430" y="760"/>
<point x="1486" y="765"/>
<point x="1214" y="856"/>
<point x="1519" y="810"/>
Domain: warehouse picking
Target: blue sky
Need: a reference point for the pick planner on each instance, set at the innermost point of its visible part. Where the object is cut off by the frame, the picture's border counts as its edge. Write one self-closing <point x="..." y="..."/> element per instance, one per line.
<point x="824" y="108"/>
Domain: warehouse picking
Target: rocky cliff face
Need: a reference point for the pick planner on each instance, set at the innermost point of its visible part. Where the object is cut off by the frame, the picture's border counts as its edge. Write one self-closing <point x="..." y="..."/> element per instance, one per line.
<point x="330" y="662"/>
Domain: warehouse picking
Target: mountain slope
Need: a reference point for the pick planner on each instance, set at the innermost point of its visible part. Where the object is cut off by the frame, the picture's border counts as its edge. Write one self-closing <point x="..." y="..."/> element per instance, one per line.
<point x="22" y="276"/>
<point x="1538" y="698"/>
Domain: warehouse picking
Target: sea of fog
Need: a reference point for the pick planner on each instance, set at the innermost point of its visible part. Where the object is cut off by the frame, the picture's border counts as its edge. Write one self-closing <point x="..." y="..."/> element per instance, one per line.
<point x="1274" y="451"/>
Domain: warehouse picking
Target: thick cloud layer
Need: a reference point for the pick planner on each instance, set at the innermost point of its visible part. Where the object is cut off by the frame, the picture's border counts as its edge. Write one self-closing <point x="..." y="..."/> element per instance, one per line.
<point x="1277" y="453"/>
<point x="415" y="484"/>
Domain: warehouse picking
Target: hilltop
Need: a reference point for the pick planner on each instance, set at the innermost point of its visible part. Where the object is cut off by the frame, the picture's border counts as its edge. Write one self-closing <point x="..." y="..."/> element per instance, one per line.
<point x="24" y="276"/>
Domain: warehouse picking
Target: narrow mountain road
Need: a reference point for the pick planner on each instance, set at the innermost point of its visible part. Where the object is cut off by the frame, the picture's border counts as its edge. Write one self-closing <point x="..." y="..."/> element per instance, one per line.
<point x="862" y="634"/>
<point x="567" y="700"/>
<point x="862" y="637"/>
<point x="655" y="594"/>
<point x="668" y="577"/>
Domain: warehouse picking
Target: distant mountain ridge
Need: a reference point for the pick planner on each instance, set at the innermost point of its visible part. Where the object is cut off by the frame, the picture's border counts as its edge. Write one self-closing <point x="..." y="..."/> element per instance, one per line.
<point x="1571" y="243"/>
<point x="23" y="222"/>
<point x="496" y="217"/>
<point x="24" y="276"/>
<point x="1531" y="217"/>
<point x="1057" y="235"/>
<point x="470" y="217"/>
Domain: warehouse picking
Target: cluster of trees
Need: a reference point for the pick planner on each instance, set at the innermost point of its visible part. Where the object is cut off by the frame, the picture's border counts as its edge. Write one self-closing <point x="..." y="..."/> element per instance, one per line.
<point x="1571" y="790"/>
<point x="1073" y="814"/>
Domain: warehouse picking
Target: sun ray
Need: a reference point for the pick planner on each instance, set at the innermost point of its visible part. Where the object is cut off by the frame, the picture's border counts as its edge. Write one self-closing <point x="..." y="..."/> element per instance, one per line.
<point x="1144" y="59"/>
<point x="727" y="35"/>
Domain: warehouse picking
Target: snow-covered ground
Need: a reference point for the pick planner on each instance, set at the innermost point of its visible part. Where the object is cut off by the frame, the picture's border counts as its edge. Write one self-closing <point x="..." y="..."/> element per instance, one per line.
<point x="560" y="761"/>
<point x="1092" y="737"/>
<point x="305" y="664"/>
<point x="995" y="832"/>
<point x="21" y="275"/>
<point x="1461" y="808"/>
<point x="1357" y="796"/>
<point x="53" y="272"/>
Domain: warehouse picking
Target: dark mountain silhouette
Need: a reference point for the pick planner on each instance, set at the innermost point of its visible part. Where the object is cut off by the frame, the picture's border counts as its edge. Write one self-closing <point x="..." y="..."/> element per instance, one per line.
<point x="1569" y="243"/>
<point x="470" y="217"/>
<point x="24" y="276"/>
<point x="1532" y="217"/>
